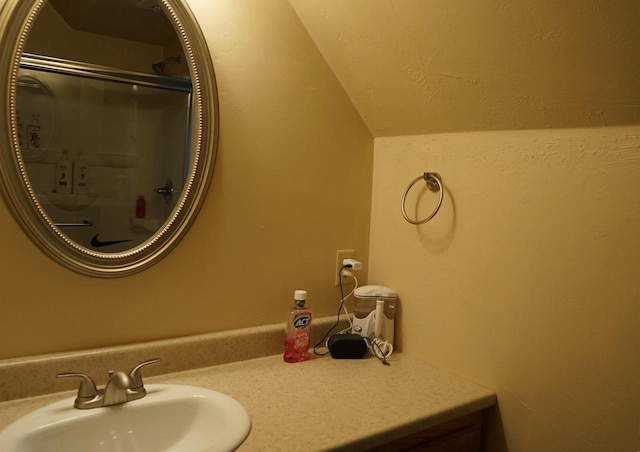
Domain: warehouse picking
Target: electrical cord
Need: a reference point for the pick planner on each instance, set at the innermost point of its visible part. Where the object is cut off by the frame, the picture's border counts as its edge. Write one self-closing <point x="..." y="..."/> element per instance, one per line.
<point x="342" y="306"/>
<point x="379" y="348"/>
<point x="346" y="312"/>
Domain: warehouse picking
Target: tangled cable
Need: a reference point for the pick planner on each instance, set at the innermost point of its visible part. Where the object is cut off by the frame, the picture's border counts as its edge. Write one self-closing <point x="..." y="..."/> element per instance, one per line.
<point x="379" y="348"/>
<point x="340" y="308"/>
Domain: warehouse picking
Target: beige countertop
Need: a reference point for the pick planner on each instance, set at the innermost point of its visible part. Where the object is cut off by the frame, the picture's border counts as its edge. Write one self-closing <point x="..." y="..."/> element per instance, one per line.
<point x="322" y="403"/>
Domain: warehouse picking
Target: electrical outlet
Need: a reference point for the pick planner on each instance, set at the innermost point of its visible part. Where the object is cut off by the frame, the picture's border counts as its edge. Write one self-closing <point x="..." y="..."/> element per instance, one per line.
<point x="342" y="254"/>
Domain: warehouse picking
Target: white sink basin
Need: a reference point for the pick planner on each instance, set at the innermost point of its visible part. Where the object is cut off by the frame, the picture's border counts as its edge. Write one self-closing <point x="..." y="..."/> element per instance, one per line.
<point x="170" y="418"/>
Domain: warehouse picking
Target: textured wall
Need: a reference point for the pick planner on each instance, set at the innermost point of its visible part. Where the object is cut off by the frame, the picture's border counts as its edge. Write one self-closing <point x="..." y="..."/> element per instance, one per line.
<point x="526" y="280"/>
<point x="417" y="66"/>
<point x="290" y="140"/>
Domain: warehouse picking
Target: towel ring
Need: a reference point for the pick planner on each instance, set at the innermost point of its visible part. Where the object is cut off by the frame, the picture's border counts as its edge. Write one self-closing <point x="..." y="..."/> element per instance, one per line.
<point x="434" y="182"/>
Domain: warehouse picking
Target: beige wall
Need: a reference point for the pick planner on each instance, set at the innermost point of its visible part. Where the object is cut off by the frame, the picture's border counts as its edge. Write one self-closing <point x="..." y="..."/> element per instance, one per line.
<point x="291" y="186"/>
<point x="413" y="67"/>
<point x="526" y="281"/>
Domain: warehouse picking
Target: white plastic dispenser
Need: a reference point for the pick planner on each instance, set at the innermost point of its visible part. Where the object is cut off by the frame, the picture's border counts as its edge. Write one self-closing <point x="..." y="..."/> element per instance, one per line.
<point x="35" y="133"/>
<point x="375" y="312"/>
<point x="64" y="174"/>
<point x="81" y="175"/>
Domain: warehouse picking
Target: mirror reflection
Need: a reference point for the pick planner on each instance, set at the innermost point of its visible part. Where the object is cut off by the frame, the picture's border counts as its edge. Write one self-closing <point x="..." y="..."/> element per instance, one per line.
<point x="103" y="111"/>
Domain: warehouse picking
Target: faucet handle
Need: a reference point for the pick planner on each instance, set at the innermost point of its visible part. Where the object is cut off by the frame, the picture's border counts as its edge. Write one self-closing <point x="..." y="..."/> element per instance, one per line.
<point x="136" y="376"/>
<point x="87" y="389"/>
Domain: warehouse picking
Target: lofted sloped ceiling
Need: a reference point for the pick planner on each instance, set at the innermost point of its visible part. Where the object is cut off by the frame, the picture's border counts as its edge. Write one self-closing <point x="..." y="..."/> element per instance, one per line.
<point x="135" y="20"/>
<point x="426" y="66"/>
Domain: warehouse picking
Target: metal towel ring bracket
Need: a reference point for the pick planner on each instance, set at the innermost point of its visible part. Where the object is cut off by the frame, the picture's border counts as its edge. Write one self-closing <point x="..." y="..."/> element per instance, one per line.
<point x="434" y="183"/>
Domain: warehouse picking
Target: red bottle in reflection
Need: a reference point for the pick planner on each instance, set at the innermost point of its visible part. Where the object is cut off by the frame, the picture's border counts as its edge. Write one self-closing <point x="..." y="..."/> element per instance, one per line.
<point x="141" y="207"/>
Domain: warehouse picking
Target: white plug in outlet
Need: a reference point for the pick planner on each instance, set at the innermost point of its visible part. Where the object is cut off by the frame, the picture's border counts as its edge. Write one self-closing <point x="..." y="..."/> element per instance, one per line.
<point x="340" y="256"/>
<point x="354" y="263"/>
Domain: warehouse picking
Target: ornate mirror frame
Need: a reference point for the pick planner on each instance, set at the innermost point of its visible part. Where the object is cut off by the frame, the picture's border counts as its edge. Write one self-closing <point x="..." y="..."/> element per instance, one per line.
<point x="16" y="20"/>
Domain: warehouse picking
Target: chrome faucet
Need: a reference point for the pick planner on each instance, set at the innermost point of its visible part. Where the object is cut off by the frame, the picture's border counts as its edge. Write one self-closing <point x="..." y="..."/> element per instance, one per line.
<point x="122" y="387"/>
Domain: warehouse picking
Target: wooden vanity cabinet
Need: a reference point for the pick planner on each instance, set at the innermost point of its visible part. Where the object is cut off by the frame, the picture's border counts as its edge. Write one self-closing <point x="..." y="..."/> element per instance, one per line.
<point x="464" y="434"/>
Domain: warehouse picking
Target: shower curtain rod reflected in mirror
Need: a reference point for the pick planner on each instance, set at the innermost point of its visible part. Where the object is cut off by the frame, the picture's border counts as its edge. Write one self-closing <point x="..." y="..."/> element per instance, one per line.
<point x="62" y="66"/>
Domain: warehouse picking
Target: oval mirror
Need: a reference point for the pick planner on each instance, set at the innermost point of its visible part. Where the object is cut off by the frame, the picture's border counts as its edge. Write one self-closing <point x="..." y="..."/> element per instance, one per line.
<point x="110" y="128"/>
